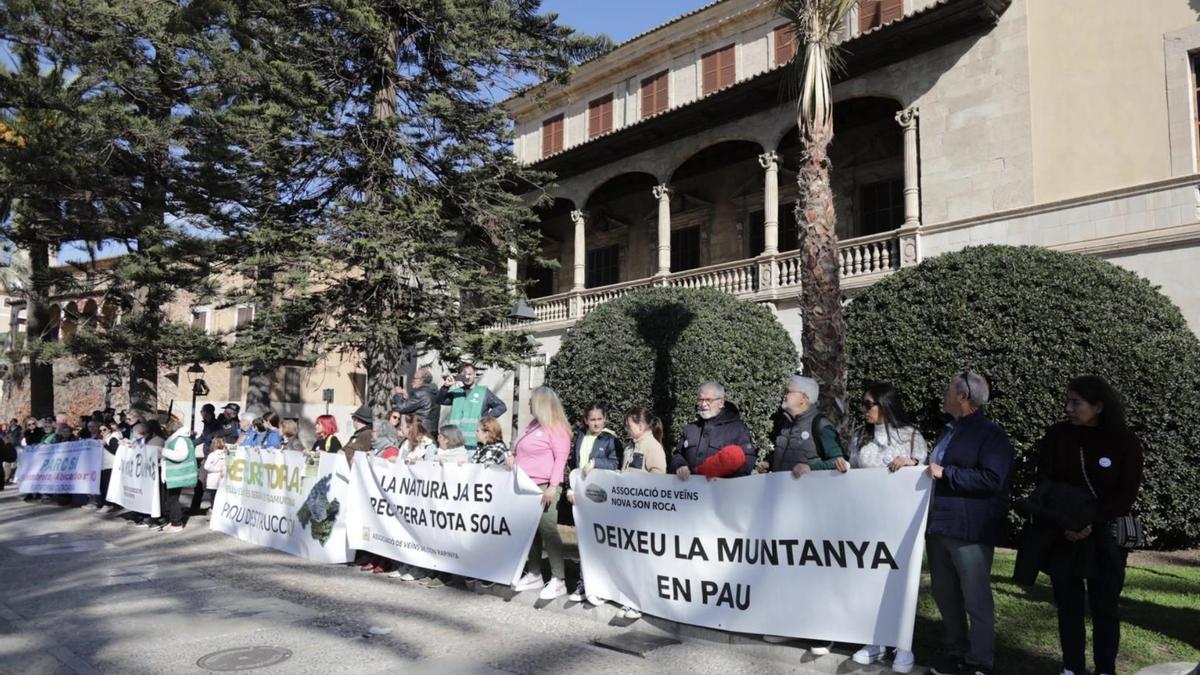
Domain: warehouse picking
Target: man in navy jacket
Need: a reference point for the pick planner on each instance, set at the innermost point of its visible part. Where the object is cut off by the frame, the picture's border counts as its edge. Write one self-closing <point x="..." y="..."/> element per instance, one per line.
<point x="971" y="466"/>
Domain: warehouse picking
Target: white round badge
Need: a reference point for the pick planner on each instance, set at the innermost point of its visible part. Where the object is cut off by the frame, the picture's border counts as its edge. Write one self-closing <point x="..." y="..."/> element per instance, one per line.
<point x="1105" y="462"/>
<point x="805" y="435"/>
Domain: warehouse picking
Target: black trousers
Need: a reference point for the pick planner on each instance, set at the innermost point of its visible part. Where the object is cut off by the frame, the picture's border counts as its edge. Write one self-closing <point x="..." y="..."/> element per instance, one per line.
<point x="172" y="510"/>
<point x="105" y="476"/>
<point x="197" y="490"/>
<point x="1101" y="594"/>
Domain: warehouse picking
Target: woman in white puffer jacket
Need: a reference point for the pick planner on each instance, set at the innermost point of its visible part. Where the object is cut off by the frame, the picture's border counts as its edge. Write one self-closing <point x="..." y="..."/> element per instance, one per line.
<point x="888" y="439"/>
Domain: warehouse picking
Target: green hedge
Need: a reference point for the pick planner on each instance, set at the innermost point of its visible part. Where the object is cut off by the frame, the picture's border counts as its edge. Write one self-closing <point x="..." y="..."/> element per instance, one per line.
<point x="1031" y="319"/>
<point x="654" y="347"/>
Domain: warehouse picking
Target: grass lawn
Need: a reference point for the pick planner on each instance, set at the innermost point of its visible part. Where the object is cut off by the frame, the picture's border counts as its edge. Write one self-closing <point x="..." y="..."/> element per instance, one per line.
<point x="1160" y="619"/>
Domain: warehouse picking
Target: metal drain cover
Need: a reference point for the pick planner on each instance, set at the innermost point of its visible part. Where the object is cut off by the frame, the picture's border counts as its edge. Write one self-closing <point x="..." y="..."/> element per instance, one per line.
<point x="243" y="658"/>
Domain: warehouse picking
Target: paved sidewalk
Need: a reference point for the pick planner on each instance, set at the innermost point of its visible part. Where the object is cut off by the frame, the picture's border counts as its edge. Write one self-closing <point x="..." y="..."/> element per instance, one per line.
<point x="85" y="593"/>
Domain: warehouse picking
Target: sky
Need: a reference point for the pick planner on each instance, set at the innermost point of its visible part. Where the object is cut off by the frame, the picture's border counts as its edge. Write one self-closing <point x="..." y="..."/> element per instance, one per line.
<point x="619" y="19"/>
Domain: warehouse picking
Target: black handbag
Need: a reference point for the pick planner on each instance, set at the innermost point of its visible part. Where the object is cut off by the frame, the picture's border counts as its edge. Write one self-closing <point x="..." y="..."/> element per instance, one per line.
<point x="1127" y="531"/>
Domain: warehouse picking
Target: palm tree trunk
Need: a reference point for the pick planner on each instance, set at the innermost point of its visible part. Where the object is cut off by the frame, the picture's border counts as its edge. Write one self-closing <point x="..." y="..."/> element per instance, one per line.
<point x="824" y="332"/>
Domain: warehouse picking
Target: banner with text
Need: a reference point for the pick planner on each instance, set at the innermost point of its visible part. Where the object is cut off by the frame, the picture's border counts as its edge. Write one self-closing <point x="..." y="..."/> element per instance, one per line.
<point x="827" y="556"/>
<point x="266" y="498"/>
<point x="134" y="481"/>
<point x="61" y="468"/>
<point x="473" y="520"/>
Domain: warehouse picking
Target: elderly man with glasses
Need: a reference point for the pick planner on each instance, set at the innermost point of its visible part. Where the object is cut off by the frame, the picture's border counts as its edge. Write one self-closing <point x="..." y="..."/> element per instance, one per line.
<point x="717" y="444"/>
<point x="971" y="468"/>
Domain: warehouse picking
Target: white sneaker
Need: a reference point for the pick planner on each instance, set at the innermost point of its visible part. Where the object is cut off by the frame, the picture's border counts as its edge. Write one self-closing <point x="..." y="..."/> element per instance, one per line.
<point x="903" y="661"/>
<point x="397" y="573"/>
<point x="578" y="594"/>
<point x="528" y="582"/>
<point x="776" y="639"/>
<point x="407" y="576"/>
<point x="868" y="654"/>
<point x="555" y="588"/>
<point x="594" y="600"/>
<point x="631" y="613"/>
<point x="171" y="528"/>
<point x="820" y="649"/>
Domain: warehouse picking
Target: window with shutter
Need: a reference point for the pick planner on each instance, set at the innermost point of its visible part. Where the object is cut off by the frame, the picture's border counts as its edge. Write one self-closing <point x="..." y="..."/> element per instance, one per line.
<point x="600" y="116"/>
<point x="1196" y="86"/>
<point x="785" y="44"/>
<point x="719" y="69"/>
<point x="245" y="317"/>
<point x="872" y="13"/>
<point x="654" y="93"/>
<point x="685" y="249"/>
<point x="200" y="319"/>
<point x="552" y="135"/>
<point x="235" y="383"/>
<point x="291" y="384"/>
<point x="603" y="266"/>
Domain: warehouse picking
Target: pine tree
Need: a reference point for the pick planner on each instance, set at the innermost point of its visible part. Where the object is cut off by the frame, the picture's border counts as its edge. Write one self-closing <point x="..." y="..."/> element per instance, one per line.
<point x="426" y="194"/>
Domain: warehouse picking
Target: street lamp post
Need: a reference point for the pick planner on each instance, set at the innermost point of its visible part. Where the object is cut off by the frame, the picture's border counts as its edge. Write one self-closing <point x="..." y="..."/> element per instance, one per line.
<point x="199" y="388"/>
<point x="521" y="313"/>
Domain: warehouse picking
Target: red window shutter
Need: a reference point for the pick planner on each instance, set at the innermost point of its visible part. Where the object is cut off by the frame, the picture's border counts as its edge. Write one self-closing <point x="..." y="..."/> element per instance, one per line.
<point x="869" y="14"/>
<point x="600" y="116"/>
<point x="719" y="69"/>
<point x="728" y="68"/>
<point x="552" y="135"/>
<point x="785" y="44"/>
<point x="654" y="94"/>
<point x="709" y="67"/>
<point x="890" y="10"/>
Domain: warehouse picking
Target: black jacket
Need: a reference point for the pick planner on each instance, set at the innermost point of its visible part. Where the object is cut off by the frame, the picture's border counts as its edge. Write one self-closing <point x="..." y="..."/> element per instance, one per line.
<point x="424" y="404"/>
<point x="702" y="439"/>
<point x="1052" y="509"/>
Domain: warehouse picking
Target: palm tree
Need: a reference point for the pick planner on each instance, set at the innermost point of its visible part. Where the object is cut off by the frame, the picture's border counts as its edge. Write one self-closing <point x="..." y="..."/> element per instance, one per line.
<point x="817" y="25"/>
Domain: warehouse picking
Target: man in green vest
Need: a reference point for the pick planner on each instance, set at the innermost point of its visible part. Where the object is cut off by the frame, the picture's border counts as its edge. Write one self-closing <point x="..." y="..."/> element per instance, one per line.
<point x="468" y="402"/>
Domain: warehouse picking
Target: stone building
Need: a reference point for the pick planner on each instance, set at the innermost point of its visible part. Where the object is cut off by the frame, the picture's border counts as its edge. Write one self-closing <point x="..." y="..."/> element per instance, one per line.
<point x="1070" y="124"/>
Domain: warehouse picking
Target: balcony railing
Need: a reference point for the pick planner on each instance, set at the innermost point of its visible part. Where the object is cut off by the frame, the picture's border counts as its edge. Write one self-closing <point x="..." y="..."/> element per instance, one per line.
<point x="764" y="278"/>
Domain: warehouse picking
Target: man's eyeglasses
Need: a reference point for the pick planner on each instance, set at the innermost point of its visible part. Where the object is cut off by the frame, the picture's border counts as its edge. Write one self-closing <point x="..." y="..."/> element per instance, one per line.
<point x="966" y="383"/>
<point x="707" y="401"/>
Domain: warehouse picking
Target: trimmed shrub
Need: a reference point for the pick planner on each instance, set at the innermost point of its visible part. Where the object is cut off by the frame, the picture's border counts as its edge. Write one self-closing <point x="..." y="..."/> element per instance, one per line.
<point x="1031" y="319"/>
<point x="654" y="347"/>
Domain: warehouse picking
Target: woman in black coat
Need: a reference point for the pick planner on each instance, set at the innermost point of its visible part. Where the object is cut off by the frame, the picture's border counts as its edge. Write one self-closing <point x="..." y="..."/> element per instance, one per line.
<point x="1094" y="451"/>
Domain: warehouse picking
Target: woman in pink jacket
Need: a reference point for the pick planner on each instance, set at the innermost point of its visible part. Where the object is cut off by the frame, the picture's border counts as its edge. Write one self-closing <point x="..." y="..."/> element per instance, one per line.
<point x="541" y="451"/>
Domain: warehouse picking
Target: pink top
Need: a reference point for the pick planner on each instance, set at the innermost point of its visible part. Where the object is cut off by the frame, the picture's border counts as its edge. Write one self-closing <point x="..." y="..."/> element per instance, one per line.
<point x="542" y="453"/>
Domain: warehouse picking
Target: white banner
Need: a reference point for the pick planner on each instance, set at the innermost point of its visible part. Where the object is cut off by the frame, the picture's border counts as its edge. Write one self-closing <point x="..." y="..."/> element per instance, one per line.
<point x="828" y="556"/>
<point x="71" y="468"/>
<point x="266" y="498"/>
<point x="473" y="520"/>
<point x="134" y="480"/>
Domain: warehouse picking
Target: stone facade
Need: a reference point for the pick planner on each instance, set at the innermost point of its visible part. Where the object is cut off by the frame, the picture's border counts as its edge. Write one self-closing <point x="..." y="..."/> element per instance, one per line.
<point x="1027" y="130"/>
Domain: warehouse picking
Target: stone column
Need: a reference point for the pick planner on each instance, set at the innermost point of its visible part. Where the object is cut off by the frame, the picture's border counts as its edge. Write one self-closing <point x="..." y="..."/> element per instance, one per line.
<point x="663" y="194"/>
<point x="770" y="162"/>
<point x="912" y="190"/>
<point x="579" y="279"/>
<point x="512" y="270"/>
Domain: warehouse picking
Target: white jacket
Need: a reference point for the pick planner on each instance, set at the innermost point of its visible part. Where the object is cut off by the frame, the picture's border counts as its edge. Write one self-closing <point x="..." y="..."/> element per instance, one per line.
<point x="214" y="469"/>
<point x="886" y="445"/>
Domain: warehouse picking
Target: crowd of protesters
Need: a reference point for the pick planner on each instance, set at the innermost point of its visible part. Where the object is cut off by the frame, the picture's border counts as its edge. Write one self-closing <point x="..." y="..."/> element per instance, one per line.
<point x="1089" y="471"/>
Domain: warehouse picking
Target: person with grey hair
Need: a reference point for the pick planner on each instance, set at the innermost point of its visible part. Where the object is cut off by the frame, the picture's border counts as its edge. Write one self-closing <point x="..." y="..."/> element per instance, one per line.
<point x="805" y="440"/>
<point x="971" y="466"/>
<point x="718" y="425"/>
<point x="422" y="401"/>
<point x="451" y="446"/>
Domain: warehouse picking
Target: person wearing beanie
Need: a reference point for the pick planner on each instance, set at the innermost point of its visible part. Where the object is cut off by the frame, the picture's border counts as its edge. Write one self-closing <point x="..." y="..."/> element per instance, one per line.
<point x="361" y="439"/>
